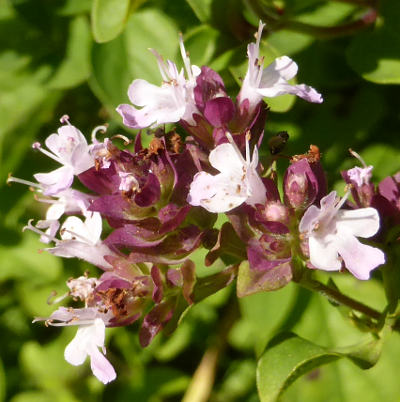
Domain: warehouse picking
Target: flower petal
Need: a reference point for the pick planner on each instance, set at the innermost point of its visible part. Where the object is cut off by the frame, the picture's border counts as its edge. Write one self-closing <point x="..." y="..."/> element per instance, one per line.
<point x="101" y="367"/>
<point x="363" y="222"/>
<point x="360" y="259"/>
<point x="75" y="352"/>
<point x="324" y="254"/>
<point x="219" y="193"/>
<point x="56" y="181"/>
<point x="226" y="158"/>
<point x="90" y="253"/>
<point x="280" y="70"/>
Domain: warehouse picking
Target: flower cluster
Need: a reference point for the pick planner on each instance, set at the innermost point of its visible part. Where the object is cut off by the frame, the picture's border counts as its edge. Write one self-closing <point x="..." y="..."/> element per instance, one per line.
<point x="161" y="203"/>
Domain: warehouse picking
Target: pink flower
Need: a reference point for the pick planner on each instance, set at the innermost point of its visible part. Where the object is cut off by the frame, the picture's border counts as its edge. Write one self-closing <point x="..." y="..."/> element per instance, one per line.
<point x="69" y="148"/>
<point x="171" y="102"/>
<point x="273" y="80"/>
<point x="237" y="182"/>
<point x="333" y="232"/>
<point x="360" y="176"/>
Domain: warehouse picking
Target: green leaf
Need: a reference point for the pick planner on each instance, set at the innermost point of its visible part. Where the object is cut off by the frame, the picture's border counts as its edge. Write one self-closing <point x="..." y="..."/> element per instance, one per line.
<point x="45" y="366"/>
<point x="75" y="68"/>
<point x="140" y="35"/>
<point x="24" y="261"/>
<point x="288" y="357"/>
<point x="375" y="54"/>
<point x="289" y="42"/>
<point x="327" y="14"/>
<point x="260" y="314"/>
<point x="202" y="9"/>
<point x="73" y="7"/>
<point x="201" y="43"/>
<point x="110" y="77"/>
<point x="109" y="18"/>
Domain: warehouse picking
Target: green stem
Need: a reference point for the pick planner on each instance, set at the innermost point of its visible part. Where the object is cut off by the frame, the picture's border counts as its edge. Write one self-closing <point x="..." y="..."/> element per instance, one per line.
<point x="332" y="32"/>
<point x="276" y="22"/>
<point x="339" y="297"/>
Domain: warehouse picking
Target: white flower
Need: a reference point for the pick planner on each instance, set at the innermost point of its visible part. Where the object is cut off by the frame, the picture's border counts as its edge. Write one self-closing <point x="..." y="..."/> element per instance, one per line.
<point x="273" y="80"/>
<point x="81" y="239"/>
<point x="171" y="102"/>
<point x="238" y="181"/>
<point x="69" y="148"/>
<point x="87" y="341"/>
<point x="333" y="232"/>
<point x="67" y="201"/>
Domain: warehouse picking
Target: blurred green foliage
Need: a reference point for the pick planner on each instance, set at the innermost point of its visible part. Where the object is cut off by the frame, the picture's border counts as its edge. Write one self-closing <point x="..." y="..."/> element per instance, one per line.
<point x="78" y="57"/>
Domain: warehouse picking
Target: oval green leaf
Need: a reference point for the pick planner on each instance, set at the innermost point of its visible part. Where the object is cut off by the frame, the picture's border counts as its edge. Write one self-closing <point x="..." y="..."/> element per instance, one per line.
<point x="288" y="357"/>
<point x="109" y="18"/>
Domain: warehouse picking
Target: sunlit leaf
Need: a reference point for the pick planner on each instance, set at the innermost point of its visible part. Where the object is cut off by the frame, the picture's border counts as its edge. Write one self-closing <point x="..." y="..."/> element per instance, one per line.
<point x="202" y="9"/>
<point x="24" y="261"/>
<point x="150" y="28"/>
<point x="75" y="68"/>
<point x="108" y="18"/>
<point x="288" y="357"/>
<point x="375" y="54"/>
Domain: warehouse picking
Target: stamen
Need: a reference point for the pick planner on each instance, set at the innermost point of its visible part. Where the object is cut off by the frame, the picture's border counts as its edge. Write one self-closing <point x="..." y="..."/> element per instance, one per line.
<point x="12" y="179"/>
<point x="57" y="300"/>
<point x="34" y="229"/>
<point x="102" y="129"/>
<point x="342" y="201"/>
<point x="161" y="65"/>
<point x="358" y="156"/>
<point x="126" y="140"/>
<point x="185" y="58"/>
<point x="65" y="119"/>
<point x="45" y="200"/>
<point x="36" y="145"/>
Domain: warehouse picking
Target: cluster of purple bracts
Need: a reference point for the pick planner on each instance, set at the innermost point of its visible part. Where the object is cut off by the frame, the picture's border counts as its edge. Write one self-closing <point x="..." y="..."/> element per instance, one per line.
<point x="161" y="205"/>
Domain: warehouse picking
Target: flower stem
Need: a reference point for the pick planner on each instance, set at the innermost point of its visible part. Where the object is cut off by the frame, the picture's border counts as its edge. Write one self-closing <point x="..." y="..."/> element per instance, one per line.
<point x="338" y="297"/>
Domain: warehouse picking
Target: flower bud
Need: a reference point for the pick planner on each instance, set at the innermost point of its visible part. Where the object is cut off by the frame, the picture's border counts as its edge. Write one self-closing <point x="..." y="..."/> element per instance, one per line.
<point x="276" y="212"/>
<point x="301" y="185"/>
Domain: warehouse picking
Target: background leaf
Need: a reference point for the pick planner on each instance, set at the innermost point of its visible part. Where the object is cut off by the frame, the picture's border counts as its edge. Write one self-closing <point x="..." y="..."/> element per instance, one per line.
<point x="288" y="357"/>
<point x="108" y="18"/>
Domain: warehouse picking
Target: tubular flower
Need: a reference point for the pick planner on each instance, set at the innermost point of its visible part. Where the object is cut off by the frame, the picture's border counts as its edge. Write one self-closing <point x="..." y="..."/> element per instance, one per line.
<point x="333" y="232"/>
<point x="171" y="102"/>
<point x="237" y="182"/>
<point x="273" y="80"/>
